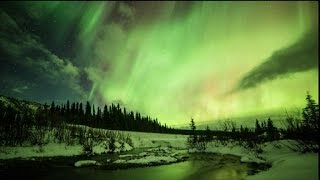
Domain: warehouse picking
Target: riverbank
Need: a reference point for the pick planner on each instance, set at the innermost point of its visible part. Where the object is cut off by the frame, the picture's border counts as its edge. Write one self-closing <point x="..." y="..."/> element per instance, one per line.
<point x="152" y="149"/>
<point x="286" y="164"/>
<point x="195" y="165"/>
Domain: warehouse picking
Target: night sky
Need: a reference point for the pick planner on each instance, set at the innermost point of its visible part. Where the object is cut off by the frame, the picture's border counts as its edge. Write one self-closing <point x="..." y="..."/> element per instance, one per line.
<point x="170" y="60"/>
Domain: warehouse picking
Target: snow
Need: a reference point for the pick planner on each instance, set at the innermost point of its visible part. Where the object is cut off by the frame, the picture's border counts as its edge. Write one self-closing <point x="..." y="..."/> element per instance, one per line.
<point x="103" y="147"/>
<point x="127" y="147"/>
<point x="149" y="159"/>
<point x="142" y="139"/>
<point x="100" y="148"/>
<point x="246" y="159"/>
<point x="286" y="164"/>
<point x="163" y="148"/>
<point x="54" y="149"/>
<point x="143" y="154"/>
<point x="292" y="166"/>
<point x="125" y="155"/>
<point x="246" y="155"/>
<point x="85" y="163"/>
<point x="119" y="161"/>
<point x="58" y="149"/>
<point x="7" y="102"/>
<point x="49" y="150"/>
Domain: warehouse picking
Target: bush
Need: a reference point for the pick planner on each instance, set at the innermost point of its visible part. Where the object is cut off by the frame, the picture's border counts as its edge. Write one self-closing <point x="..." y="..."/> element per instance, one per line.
<point x="38" y="136"/>
<point x="128" y="140"/>
<point x="201" y="144"/>
<point x="87" y="146"/>
<point x="112" y="146"/>
<point x="304" y="131"/>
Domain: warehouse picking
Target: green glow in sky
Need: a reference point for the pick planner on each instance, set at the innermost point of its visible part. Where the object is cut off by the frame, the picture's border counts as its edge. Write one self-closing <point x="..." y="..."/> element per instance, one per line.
<point x="182" y="68"/>
<point x="175" y="62"/>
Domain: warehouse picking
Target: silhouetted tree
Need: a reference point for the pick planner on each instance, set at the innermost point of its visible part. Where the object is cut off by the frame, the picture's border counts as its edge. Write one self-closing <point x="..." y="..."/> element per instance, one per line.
<point x="208" y="134"/>
<point x="311" y="114"/>
<point x="272" y="131"/>
<point x="258" y="128"/>
<point x="88" y="113"/>
<point x="192" y="139"/>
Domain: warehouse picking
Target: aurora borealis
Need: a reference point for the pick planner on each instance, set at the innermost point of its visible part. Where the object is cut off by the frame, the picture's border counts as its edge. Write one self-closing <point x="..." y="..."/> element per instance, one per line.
<point x="170" y="60"/>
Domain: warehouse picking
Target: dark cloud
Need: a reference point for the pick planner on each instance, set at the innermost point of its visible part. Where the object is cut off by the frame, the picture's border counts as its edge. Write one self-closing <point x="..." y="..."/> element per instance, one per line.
<point x="25" y="59"/>
<point x="300" y="56"/>
<point x="39" y="44"/>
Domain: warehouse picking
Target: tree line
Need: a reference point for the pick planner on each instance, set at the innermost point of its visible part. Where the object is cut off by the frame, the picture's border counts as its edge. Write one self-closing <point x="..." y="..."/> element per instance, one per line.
<point x="109" y="117"/>
<point x="304" y="131"/>
<point x="17" y="124"/>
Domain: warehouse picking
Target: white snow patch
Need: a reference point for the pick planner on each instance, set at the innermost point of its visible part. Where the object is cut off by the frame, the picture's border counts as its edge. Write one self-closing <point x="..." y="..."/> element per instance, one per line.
<point x="49" y="150"/>
<point x="85" y="163"/>
<point x="100" y="148"/>
<point x="127" y="147"/>
<point x="247" y="159"/>
<point x="287" y="164"/>
<point x="142" y="139"/>
<point x="152" y="159"/>
<point x="292" y="166"/>
<point x="142" y="154"/>
<point x="125" y="155"/>
<point x="119" y="161"/>
<point x="103" y="147"/>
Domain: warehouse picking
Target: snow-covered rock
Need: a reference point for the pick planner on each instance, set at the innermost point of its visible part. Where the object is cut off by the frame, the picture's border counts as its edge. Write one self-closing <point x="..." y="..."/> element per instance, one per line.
<point x="82" y="163"/>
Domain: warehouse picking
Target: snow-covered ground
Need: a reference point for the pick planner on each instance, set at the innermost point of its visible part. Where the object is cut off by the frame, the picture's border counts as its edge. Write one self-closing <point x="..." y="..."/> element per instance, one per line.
<point x="49" y="150"/>
<point x="286" y="164"/>
<point x="168" y="148"/>
<point x="141" y="139"/>
<point x="148" y="159"/>
<point x="55" y="149"/>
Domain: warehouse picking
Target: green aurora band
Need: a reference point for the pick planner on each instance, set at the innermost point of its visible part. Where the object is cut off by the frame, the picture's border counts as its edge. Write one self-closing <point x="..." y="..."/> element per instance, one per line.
<point x="176" y="65"/>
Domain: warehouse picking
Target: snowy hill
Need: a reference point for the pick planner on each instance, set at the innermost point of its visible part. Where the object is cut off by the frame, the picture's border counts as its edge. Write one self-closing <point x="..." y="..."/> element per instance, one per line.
<point x="18" y="104"/>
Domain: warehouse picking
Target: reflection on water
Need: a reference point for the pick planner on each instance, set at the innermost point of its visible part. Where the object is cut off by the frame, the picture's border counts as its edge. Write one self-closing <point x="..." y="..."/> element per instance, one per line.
<point x="213" y="168"/>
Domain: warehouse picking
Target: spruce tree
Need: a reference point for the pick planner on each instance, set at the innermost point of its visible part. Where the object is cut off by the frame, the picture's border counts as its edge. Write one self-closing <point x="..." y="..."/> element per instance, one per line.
<point x="271" y="130"/>
<point x="310" y="122"/>
<point x="258" y="128"/>
<point x="311" y="113"/>
<point x="192" y="139"/>
<point x="208" y="134"/>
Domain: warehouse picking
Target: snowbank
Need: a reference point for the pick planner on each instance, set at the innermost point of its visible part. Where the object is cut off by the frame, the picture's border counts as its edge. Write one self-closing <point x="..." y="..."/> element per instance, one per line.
<point x="291" y="167"/>
<point x="162" y="148"/>
<point x="142" y="139"/>
<point x="55" y="149"/>
<point x="61" y="149"/>
<point x="148" y="160"/>
<point x="153" y="159"/>
<point x="246" y="155"/>
<point x="49" y="150"/>
<point x="286" y="164"/>
<point x="103" y="148"/>
<point x="125" y="155"/>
